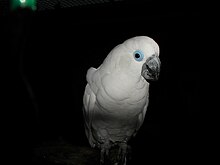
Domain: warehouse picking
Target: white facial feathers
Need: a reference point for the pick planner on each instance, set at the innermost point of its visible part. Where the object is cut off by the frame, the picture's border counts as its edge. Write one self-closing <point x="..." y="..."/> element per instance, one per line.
<point x="122" y="56"/>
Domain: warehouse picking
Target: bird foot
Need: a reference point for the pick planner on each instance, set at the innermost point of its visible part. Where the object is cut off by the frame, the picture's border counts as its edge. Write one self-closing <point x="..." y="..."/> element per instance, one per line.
<point x="104" y="153"/>
<point x="122" y="153"/>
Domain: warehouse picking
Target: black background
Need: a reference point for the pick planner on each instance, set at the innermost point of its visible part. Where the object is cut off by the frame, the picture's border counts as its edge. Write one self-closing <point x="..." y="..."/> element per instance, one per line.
<point x="58" y="46"/>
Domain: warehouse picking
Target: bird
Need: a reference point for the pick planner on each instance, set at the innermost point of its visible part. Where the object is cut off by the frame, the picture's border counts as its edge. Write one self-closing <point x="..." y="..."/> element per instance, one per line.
<point x="116" y="95"/>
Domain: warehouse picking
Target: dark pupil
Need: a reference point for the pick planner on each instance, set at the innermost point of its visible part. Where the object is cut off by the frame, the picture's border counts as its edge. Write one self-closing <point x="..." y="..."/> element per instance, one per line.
<point x="137" y="55"/>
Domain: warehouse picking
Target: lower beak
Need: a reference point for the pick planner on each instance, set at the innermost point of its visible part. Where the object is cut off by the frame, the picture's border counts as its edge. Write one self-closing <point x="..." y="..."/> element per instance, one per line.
<point x="151" y="68"/>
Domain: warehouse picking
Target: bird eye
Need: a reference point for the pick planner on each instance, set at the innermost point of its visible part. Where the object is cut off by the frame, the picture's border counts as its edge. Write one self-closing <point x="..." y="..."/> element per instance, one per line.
<point x="138" y="55"/>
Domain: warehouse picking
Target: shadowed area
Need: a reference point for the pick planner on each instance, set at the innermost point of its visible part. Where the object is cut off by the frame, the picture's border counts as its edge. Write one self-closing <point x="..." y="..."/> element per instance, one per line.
<point x="62" y="153"/>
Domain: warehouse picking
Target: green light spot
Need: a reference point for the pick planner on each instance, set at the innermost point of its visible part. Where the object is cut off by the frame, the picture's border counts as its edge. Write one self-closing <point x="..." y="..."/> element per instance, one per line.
<point x="23" y="4"/>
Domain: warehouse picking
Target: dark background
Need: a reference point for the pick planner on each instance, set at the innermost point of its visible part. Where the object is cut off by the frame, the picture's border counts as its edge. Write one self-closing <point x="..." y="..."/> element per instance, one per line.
<point x="45" y="56"/>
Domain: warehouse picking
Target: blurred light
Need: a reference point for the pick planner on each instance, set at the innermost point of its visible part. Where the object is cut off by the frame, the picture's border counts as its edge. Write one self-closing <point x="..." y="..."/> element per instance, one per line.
<point x="23" y="4"/>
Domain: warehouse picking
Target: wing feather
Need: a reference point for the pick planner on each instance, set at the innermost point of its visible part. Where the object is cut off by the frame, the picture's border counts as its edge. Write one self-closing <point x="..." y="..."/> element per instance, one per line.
<point x="89" y="100"/>
<point x="141" y="118"/>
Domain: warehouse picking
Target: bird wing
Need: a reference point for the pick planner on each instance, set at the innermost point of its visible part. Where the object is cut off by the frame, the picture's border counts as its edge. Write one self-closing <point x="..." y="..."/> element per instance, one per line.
<point x="89" y="100"/>
<point x="141" y="118"/>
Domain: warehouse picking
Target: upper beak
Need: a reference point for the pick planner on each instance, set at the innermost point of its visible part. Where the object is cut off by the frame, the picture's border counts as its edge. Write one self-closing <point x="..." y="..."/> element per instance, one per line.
<point x="151" y="68"/>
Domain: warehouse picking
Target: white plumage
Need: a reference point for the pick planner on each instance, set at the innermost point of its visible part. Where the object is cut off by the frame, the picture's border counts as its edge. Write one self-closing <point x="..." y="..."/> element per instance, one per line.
<point x="116" y="95"/>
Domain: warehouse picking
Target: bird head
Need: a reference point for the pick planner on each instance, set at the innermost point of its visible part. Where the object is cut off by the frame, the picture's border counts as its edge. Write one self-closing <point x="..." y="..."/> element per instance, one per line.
<point x="138" y="56"/>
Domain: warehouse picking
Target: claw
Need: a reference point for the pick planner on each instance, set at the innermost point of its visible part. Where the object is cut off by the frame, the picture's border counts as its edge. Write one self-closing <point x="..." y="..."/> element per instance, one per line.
<point x="104" y="153"/>
<point x="122" y="153"/>
<point x="102" y="156"/>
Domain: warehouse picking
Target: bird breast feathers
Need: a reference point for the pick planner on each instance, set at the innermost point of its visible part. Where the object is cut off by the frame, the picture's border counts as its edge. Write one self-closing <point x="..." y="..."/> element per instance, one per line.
<point x="120" y="92"/>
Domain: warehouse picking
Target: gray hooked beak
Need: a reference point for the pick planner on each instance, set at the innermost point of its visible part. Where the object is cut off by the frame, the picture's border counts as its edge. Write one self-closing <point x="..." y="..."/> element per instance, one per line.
<point x="151" y="68"/>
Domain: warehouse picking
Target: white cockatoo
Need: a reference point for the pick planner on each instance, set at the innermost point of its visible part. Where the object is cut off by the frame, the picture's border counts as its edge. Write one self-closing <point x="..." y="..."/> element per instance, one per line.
<point x="115" y="100"/>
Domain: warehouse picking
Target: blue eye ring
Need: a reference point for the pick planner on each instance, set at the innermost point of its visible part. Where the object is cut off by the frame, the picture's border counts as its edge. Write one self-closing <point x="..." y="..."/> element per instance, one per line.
<point x="138" y="55"/>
